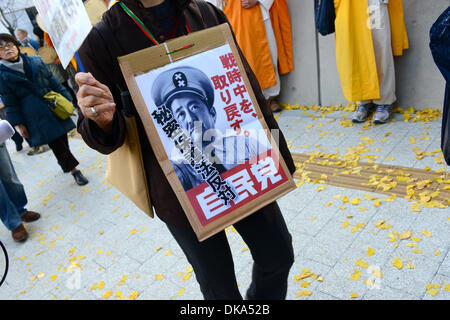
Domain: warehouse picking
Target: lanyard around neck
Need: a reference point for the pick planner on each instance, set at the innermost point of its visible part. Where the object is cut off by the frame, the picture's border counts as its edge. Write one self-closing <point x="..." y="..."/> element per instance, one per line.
<point x="141" y="25"/>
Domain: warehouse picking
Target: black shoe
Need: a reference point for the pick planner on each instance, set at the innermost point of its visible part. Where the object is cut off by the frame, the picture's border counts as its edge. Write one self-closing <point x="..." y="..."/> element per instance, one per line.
<point x="37" y="150"/>
<point x="80" y="179"/>
<point x="19" y="147"/>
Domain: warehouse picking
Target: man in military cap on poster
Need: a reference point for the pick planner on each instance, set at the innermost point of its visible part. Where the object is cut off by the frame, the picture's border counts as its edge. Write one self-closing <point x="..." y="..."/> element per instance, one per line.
<point x="189" y="95"/>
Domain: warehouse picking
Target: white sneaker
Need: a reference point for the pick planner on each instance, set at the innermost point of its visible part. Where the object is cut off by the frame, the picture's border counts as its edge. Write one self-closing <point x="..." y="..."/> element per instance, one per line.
<point x="382" y="114"/>
<point x="361" y="113"/>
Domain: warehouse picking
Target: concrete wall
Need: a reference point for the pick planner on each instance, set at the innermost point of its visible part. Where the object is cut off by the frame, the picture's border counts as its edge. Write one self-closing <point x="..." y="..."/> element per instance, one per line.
<point x="315" y="79"/>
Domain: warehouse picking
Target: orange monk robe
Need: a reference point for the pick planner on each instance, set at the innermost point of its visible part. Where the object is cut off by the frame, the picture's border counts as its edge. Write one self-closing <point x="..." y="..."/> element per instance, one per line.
<point x="248" y="25"/>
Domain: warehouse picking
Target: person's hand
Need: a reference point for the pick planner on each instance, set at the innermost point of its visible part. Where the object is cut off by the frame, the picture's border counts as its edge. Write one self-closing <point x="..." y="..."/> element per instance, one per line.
<point x="247" y="4"/>
<point x="95" y="100"/>
<point x="23" y="131"/>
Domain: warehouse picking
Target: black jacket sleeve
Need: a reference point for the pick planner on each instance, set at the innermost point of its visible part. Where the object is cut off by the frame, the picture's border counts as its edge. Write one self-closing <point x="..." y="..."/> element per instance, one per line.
<point x="97" y="60"/>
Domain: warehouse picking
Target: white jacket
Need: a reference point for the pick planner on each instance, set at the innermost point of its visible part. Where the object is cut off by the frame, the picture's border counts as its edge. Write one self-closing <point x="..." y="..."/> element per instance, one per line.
<point x="6" y="131"/>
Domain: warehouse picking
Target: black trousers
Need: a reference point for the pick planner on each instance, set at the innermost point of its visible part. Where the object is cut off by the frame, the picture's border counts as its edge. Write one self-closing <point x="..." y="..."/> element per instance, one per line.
<point x="270" y="244"/>
<point x="17" y="138"/>
<point x="66" y="159"/>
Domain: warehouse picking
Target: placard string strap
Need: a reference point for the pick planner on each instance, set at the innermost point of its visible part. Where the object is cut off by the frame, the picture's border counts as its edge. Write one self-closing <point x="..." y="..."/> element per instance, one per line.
<point x="139" y="23"/>
<point x="147" y="32"/>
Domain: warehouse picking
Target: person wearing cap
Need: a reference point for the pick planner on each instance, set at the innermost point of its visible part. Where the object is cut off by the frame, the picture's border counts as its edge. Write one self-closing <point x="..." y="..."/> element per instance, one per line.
<point x="24" y="80"/>
<point x="12" y="193"/>
<point x="189" y="94"/>
<point x="101" y="124"/>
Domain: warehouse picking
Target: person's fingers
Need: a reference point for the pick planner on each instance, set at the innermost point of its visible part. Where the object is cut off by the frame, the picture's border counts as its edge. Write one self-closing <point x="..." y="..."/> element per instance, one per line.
<point x="103" y="108"/>
<point x="87" y="90"/>
<point x="100" y="109"/>
<point x="82" y="78"/>
<point x="90" y="101"/>
<point x="103" y="87"/>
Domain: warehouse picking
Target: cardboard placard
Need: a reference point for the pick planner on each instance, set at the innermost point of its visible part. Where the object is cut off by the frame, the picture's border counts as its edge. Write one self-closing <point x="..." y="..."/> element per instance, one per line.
<point x="206" y="128"/>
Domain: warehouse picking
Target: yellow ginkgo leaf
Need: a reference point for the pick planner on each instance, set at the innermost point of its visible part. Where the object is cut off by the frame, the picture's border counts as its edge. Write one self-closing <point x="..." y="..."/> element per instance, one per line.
<point x="133" y="231"/>
<point x="361" y="263"/>
<point x="304" y="284"/>
<point x="133" y="295"/>
<point x="382" y="225"/>
<point x="302" y="293"/>
<point x="356" y="275"/>
<point x="354" y="295"/>
<point x="356" y="201"/>
<point x="186" y="277"/>
<point x="426" y="233"/>
<point x="354" y="229"/>
<point x="398" y="263"/>
<point x="405" y="235"/>
<point x="107" y="294"/>
<point x="433" y="292"/>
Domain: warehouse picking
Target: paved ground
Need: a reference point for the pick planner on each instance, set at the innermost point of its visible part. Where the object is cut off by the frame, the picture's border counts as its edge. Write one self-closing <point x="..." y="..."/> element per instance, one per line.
<point x="93" y="244"/>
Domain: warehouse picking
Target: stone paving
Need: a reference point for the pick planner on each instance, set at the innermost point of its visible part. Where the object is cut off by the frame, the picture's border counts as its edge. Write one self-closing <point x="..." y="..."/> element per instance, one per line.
<point x="92" y="243"/>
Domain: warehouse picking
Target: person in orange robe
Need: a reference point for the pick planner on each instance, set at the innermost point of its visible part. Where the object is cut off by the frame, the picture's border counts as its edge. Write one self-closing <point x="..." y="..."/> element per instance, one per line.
<point x="263" y="32"/>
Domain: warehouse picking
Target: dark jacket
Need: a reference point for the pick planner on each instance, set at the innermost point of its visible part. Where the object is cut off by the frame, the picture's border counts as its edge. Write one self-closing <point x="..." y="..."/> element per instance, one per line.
<point x="96" y="59"/>
<point x="440" y="49"/>
<point x="23" y="94"/>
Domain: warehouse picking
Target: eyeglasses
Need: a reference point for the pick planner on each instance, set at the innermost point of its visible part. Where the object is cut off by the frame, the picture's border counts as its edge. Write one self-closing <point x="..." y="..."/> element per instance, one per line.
<point x="7" y="45"/>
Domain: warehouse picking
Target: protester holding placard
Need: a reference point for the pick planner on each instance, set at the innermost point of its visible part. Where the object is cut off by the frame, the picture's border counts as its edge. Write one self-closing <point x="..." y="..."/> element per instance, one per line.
<point x="102" y="126"/>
